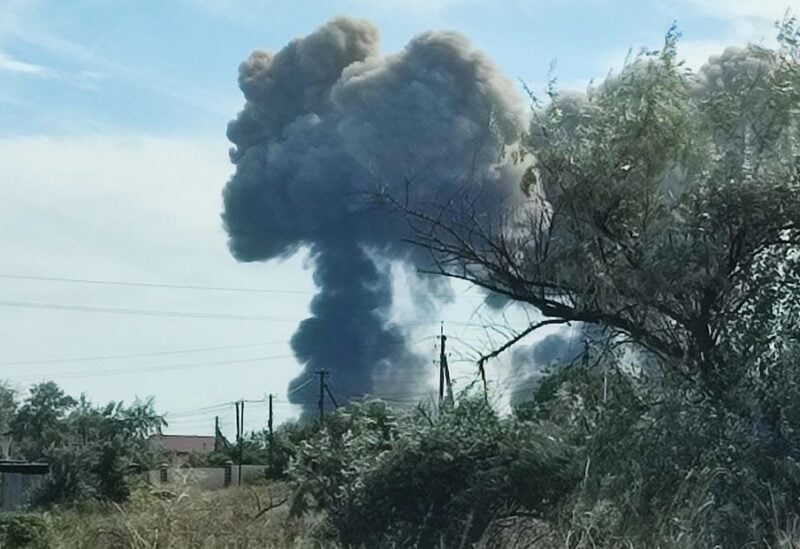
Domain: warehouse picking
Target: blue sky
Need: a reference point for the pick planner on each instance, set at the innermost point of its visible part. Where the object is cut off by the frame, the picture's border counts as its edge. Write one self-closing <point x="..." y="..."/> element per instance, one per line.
<point x="113" y="155"/>
<point x="170" y="67"/>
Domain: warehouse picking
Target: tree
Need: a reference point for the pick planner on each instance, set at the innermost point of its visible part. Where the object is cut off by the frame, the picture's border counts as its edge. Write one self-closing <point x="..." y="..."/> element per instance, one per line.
<point x="37" y="425"/>
<point x="102" y="447"/>
<point x="91" y="450"/>
<point x="663" y="205"/>
<point x="8" y="408"/>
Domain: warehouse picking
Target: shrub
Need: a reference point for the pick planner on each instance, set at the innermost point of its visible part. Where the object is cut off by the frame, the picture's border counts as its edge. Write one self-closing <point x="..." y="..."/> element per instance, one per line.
<point x="23" y="530"/>
<point x="424" y="480"/>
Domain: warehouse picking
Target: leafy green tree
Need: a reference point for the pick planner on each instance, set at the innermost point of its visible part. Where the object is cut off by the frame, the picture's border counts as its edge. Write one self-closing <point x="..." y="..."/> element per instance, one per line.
<point x="92" y="451"/>
<point x="38" y="424"/>
<point x="121" y="445"/>
<point x="8" y="408"/>
<point x="662" y="205"/>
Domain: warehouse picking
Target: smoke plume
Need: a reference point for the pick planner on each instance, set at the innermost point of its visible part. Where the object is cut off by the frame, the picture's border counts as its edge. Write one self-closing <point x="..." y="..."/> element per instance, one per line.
<point x="328" y="122"/>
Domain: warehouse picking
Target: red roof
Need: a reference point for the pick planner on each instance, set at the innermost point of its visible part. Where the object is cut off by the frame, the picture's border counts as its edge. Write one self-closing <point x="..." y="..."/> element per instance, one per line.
<point x="184" y="444"/>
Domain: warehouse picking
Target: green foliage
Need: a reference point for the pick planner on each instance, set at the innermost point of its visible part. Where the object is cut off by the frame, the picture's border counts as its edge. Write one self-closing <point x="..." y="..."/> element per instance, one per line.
<point x="287" y="439"/>
<point x="107" y="445"/>
<point x="8" y="407"/>
<point x="256" y="449"/>
<point x="23" y="530"/>
<point x="329" y="463"/>
<point x="666" y="210"/>
<point x="660" y="463"/>
<point x="91" y="450"/>
<point x="421" y="479"/>
<point x="38" y="423"/>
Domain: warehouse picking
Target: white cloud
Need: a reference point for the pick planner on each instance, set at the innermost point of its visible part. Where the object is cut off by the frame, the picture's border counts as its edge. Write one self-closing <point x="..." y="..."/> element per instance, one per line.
<point x="8" y="63"/>
<point x="769" y="10"/>
<point x="695" y="52"/>
<point x="743" y="22"/>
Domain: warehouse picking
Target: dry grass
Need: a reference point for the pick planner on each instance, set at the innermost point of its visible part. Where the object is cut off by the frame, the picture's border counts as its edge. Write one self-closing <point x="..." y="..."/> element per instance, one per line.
<point x="183" y="517"/>
<point x="180" y="516"/>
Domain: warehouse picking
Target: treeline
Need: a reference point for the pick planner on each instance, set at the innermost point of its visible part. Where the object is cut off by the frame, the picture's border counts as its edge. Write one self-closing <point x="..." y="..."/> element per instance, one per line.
<point x="600" y="455"/>
<point x="92" y="450"/>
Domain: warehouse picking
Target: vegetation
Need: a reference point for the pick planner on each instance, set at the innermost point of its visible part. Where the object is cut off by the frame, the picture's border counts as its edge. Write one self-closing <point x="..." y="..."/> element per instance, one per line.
<point x="255" y="449"/>
<point x="664" y="207"/>
<point x="424" y="481"/>
<point x="91" y="450"/>
<point x="166" y="520"/>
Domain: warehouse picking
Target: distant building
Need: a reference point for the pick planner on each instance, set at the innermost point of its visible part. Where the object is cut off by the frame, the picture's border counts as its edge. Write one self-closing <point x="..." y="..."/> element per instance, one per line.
<point x="179" y="447"/>
<point x="18" y="479"/>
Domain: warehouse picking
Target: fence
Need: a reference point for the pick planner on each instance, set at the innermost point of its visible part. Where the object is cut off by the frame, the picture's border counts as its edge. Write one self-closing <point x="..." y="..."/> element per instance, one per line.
<point x="208" y="478"/>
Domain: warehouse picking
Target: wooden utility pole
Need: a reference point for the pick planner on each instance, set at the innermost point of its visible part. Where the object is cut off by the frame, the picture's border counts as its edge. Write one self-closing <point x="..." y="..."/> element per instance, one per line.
<point x="238" y="425"/>
<point x="240" y="433"/>
<point x="271" y="438"/>
<point x="321" y="403"/>
<point x="441" y="375"/>
<point x="444" y="370"/>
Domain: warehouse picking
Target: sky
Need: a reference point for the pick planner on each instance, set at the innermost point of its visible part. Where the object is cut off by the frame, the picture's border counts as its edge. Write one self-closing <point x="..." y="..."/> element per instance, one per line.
<point x="115" y="278"/>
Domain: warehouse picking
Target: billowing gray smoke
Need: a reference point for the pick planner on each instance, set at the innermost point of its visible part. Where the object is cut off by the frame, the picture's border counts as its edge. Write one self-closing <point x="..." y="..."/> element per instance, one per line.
<point x="328" y="121"/>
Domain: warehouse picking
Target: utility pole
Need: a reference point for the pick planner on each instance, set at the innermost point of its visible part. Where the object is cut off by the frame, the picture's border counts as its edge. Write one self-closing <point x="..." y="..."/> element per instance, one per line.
<point x="240" y="433"/>
<point x="271" y="438"/>
<point x="333" y="399"/>
<point x="323" y="388"/>
<point x="444" y="370"/>
<point x="321" y="403"/>
<point x="217" y="441"/>
<point x="441" y="375"/>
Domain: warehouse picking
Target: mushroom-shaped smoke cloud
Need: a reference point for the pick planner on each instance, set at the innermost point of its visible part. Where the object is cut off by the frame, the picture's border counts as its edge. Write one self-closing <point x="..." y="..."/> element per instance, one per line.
<point x="327" y="122"/>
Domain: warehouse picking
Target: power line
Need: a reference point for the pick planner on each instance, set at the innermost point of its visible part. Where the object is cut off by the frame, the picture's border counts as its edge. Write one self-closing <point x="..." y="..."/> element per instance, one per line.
<point x="212" y="407"/>
<point x="306" y="382"/>
<point x="139" y="355"/>
<point x="95" y="373"/>
<point x="209" y="408"/>
<point x="150" y="284"/>
<point x="189" y="314"/>
<point x="192" y="422"/>
<point x="172" y="286"/>
<point x="178" y="352"/>
<point x="144" y="312"/>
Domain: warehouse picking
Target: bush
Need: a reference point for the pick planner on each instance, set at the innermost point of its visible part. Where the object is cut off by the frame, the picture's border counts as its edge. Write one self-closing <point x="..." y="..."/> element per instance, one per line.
<point x="23" y="530"/>
<point x="424" y="480"/>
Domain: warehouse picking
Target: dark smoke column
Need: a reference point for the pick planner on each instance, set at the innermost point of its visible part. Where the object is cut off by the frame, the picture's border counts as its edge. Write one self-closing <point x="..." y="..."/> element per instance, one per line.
<point x="327" y="121"/>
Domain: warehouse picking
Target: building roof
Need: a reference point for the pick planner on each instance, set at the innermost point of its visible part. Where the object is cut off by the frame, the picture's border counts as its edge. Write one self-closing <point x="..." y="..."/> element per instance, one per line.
<point x="26" y="467"/>
<point x="184" y="444"/>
